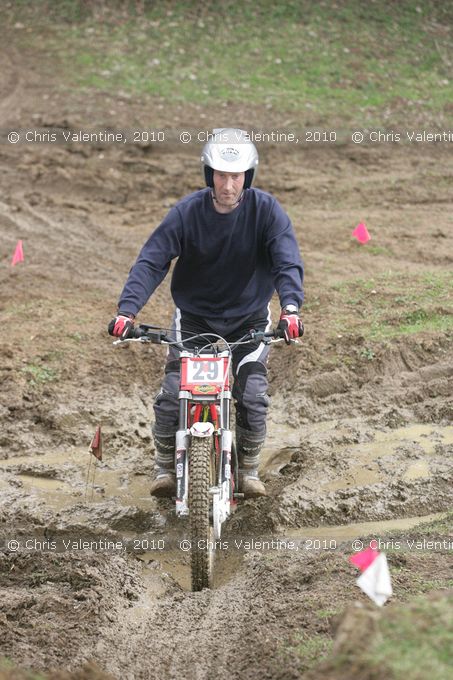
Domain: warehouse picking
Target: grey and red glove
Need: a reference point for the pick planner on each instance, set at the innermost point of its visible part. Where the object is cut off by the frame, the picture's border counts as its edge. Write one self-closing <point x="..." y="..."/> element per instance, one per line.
<point x="291" y="324"/>
<point x="122" y="326"/>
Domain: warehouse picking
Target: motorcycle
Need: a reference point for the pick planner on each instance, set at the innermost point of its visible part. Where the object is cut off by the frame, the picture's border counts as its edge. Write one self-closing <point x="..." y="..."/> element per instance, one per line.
<point x="206" y="462"/>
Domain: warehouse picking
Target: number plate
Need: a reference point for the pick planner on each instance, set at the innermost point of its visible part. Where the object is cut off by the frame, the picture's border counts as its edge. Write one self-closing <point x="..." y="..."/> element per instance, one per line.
<point x="204" y="375"/>
<point x="202" y="371"/>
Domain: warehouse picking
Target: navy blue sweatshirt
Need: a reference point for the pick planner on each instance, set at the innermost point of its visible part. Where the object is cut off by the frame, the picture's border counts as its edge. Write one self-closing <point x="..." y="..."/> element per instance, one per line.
<point x="228" y="264"/>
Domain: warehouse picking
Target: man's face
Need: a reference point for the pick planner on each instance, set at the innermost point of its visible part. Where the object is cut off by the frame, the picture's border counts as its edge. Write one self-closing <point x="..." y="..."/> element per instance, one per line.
<point x="228" y="187"/>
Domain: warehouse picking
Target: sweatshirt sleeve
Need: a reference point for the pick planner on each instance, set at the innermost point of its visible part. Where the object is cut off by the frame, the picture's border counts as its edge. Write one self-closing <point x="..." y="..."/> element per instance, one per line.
<point x="282" y="247"/>
<point x="152" y="264"/>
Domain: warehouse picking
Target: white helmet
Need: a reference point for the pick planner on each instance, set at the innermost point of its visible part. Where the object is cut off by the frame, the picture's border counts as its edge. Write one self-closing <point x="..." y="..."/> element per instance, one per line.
<point x="229" y="150"/>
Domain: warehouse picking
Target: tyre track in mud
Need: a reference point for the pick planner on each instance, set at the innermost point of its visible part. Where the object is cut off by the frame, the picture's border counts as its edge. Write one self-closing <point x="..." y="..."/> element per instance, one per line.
<point x="243" y="629"/>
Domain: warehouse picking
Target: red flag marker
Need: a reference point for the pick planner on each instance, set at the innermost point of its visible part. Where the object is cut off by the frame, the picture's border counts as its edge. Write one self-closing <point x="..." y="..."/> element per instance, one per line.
<point x="361" y="233"/>
<point x="18" y="254"/>
<point x="96" y="444"/>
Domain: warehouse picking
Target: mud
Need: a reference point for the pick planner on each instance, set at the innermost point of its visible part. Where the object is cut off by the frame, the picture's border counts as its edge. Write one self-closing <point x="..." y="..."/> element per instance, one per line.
<point x="355" y="447"/>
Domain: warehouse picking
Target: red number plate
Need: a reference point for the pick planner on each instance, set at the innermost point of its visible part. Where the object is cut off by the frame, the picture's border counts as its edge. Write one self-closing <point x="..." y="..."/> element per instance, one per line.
<point x="200" y="373"/>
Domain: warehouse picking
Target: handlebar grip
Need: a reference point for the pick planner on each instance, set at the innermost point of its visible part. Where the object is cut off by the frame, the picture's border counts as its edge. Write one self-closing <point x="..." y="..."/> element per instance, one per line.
<point x="152" y="333"/>
<point x="138" y="332"/>
<point x="275" y="333"/>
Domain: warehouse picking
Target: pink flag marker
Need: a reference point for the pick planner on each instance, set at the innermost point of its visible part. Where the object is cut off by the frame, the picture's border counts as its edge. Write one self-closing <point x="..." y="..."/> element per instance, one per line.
<point x="363" y="559"/>
<point x="361" y="233"/>
<point x="18" y="254"/>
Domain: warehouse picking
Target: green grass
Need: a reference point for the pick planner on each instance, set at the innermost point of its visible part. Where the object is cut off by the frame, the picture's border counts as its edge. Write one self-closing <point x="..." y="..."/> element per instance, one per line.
<point x="5" y="663"/>
<point x="379" y="250"/>
<point x="312" y="650"/>
<point x="427" y="586"/>
<point x="441" y="526"/>
<point x="310" y="58"/>
<point x="412" y="640"/>
<point x="416" y="642"/>
<point x="392" y="305"/>
<point x="9" y="671"/>
<point x="39" y="375"/>
<point x="327" y="613"/>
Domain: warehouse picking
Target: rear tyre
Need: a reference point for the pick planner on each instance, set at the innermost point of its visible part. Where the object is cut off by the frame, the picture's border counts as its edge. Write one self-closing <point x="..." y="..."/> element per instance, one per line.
<point x="201" y="533"/>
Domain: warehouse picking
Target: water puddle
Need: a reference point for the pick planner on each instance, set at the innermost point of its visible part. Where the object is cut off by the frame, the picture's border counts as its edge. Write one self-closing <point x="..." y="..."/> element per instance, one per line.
<point x="386" y="443"/>
<point x="406" y="453"/>
<point x="418" y="470"/>
<point x="345" y="532"/>
<point x="53" y="458"/>
<point x="81" y="477"/>
<point x="391" y="453"/>
<point x="357" y="476"/>
<point x="58" y="494"/>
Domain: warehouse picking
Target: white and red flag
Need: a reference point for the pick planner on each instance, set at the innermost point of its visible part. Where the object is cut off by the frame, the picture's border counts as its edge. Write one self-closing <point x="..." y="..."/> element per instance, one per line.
<point x="375" y="577"/>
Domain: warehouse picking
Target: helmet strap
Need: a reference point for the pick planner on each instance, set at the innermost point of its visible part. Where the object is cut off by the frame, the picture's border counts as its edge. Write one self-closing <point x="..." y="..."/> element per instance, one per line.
<point x="248" y="178"/>
<point x="209" y="176"/>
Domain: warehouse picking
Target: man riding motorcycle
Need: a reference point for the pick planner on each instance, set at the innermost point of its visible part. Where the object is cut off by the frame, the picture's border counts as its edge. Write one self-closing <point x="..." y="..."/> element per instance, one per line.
<point x="235" y="246"/>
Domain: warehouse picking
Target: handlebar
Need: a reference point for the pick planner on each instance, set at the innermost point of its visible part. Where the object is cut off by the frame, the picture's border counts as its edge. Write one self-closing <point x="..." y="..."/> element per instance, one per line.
<point x="157" y="335"/>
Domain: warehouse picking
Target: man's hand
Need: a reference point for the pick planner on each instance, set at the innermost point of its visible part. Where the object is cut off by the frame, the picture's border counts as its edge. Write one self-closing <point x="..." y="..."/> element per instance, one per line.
<point x="122" y="326"/>
<point x="291" y="324"/>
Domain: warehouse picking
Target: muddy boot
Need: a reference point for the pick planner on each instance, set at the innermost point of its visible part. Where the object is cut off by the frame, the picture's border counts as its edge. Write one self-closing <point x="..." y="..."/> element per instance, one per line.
<point x="248" y="446"/>
<point x="164" y="485"/>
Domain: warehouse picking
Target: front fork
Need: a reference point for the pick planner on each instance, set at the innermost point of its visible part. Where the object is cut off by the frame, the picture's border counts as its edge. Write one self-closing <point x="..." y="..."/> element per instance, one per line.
<point x="182" y="472"/>
<point x="224" y="488"/>
<point x="181" y="456"/>
<point x="223" y="491"/>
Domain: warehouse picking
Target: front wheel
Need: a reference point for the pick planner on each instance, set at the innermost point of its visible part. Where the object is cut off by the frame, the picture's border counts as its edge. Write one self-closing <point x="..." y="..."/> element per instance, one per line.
<point x="201" y="478"/>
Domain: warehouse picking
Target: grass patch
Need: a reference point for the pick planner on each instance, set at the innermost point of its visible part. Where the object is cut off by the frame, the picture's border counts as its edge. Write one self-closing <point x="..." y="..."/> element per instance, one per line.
<point x="312" y="650"/>
<point x="428" y="586"/>
<point x="38" y="374"/>
<point x="367" y="353"/>
<point x="78" y="337"/>
<point x="439" y="526"/>
<point x="9" y="671"/>
<point x="417" y="321"/>
<point x="392" y="305"/>
<point x="417" y="641"/>
<point x="380" y="250"/>
<point x="412" y="640"/>
<point x="327" y="613"/>
<point x="5" y="663"/>
<point x="344" y="60"/>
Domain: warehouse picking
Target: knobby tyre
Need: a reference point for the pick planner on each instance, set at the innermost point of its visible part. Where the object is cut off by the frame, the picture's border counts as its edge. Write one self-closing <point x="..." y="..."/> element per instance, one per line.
<point x="200" y="480"/>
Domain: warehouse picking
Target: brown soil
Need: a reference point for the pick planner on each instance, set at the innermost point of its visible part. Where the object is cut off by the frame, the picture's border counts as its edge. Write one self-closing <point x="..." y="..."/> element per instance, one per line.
<point x="350" y="440"/>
